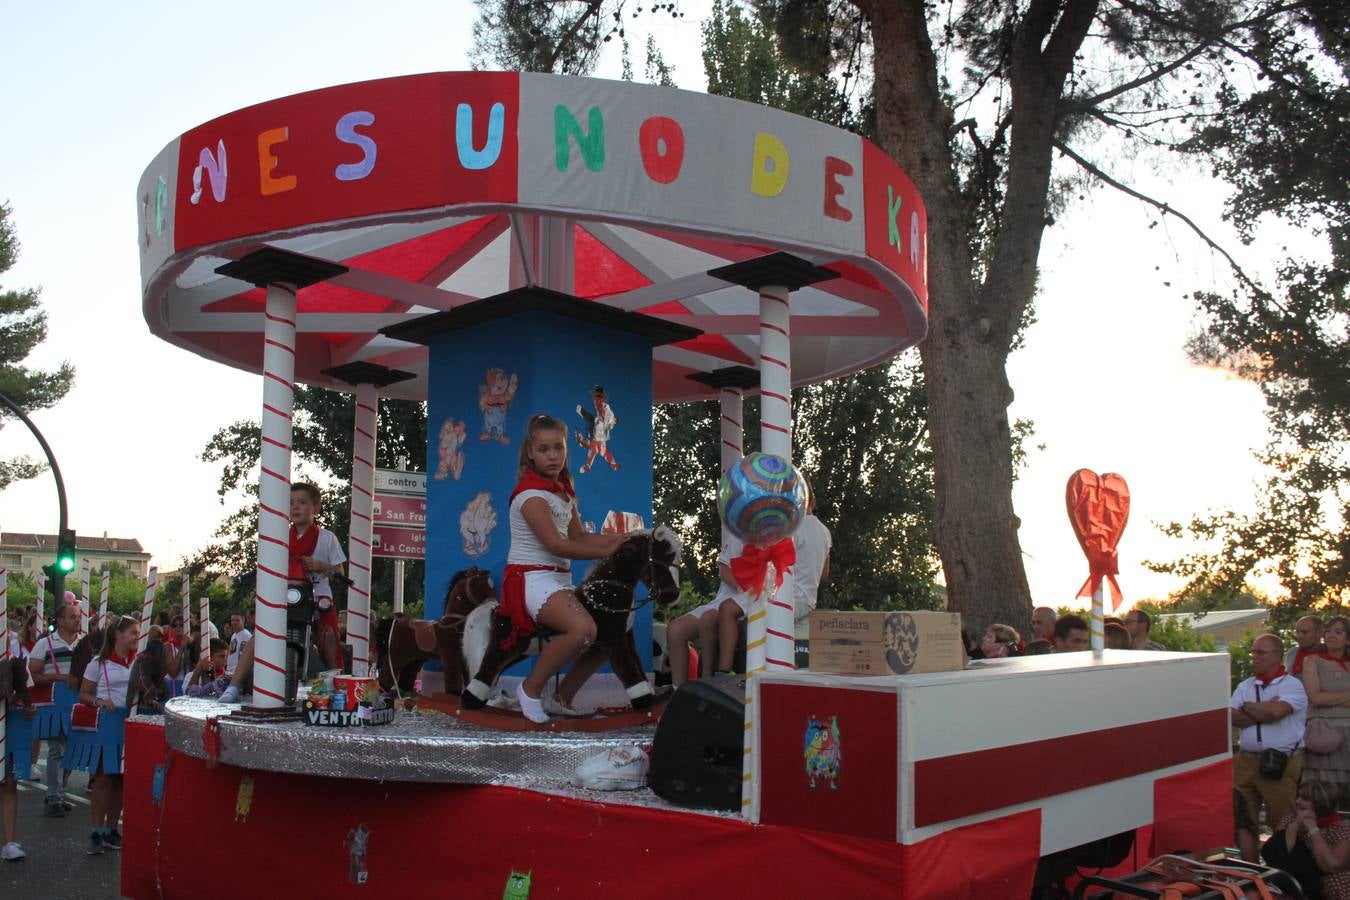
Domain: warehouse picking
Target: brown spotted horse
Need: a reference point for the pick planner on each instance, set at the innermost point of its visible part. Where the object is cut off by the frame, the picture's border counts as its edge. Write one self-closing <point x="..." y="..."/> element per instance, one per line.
<point x="402" y="645"/>
<point x="607" y="592"/>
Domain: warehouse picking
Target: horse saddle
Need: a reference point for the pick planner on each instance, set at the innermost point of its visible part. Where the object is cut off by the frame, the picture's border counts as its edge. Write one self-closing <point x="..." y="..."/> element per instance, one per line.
<point x="424" y="635"/>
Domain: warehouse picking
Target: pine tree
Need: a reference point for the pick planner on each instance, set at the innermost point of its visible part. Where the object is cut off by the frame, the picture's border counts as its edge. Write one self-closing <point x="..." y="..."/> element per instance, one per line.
<point x="23" y="326"/>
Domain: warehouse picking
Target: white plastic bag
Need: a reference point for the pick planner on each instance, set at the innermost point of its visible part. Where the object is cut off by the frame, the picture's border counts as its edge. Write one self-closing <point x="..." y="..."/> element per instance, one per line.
<point x="619" y="769"/>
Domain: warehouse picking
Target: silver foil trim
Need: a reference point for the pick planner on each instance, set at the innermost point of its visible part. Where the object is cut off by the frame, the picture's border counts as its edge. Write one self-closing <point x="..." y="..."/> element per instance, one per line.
<point x="420" y="746"/>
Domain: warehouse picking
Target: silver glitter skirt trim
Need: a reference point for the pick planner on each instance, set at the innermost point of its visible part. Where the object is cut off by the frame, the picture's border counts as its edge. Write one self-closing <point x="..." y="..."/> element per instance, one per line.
<point x="423" y="746"/>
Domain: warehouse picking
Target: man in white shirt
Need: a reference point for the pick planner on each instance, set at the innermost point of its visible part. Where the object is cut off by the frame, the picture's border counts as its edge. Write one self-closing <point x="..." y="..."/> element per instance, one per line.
<point x="48" y="663"/>
<point x="812" y="542"/>
<point x="1270" y="708"/>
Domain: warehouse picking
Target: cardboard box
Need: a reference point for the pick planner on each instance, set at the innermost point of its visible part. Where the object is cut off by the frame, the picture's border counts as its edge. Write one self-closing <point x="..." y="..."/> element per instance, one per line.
<point x="885" y="643"/>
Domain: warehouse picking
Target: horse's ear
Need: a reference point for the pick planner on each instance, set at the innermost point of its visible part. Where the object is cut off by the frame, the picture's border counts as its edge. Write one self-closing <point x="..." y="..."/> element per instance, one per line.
<point x="663" y="535"/>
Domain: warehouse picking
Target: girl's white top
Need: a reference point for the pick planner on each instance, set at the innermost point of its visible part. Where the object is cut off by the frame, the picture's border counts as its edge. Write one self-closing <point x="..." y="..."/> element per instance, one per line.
<point x="526" y="548"/>
<point x="111" y="680"/>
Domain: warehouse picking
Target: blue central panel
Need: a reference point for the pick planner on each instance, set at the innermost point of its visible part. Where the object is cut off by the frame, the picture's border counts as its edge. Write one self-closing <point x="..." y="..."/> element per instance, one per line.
<point x="486" y="381"/>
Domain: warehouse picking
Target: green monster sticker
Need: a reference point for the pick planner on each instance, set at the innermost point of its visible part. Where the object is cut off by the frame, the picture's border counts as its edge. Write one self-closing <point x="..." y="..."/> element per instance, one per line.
<point x="517" y="885"/>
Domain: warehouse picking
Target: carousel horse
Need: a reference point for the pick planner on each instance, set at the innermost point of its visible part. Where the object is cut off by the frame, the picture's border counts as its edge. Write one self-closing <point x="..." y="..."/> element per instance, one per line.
<point x="402" y="645"/>
<point x="607" y="592"/>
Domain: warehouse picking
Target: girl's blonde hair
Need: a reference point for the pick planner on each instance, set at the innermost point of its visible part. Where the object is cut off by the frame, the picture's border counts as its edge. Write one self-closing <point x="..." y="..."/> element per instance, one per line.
<point x="542" y="422"/>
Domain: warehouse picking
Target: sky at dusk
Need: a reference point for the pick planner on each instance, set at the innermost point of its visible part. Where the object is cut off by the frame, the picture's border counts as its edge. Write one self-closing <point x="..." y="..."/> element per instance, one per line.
<point x="96" y="90"/>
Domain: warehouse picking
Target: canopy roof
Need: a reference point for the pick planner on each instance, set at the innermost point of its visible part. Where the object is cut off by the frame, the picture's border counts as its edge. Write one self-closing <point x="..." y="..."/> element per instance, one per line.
<point x="441" y="189"/>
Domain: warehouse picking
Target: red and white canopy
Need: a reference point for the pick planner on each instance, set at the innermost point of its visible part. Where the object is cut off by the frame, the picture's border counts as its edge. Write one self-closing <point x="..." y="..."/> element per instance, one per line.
<point x="441" y="189"/>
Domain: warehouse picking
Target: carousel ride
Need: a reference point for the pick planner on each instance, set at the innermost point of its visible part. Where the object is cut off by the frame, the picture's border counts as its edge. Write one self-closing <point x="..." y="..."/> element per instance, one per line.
<point x="499" y="244"/>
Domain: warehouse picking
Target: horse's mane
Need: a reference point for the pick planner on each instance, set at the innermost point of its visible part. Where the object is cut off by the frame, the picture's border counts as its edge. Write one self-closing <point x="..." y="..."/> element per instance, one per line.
<point x="668" y="545"/>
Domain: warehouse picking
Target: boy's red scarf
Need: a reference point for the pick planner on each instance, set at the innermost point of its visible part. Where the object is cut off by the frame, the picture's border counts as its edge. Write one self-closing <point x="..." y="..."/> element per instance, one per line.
<point x="301" y="546"/>
<point x="513" y="581"/>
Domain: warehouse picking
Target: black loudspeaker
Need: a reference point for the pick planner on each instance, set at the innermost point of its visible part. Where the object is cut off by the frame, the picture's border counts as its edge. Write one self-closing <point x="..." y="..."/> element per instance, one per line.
<point x="699" y="745"/>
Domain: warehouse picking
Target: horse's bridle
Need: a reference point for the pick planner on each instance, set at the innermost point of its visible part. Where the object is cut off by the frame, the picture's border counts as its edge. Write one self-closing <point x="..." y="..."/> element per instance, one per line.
<point x="646" y="575"/>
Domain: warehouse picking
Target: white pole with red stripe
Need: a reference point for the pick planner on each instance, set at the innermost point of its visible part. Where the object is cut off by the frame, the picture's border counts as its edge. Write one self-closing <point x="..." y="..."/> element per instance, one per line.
<point x="42" y="602"/>
<point x="775" y="436"/>
<point x="147" y="610"/>
<point x="204" y="611"/>
<point x="769" y="625"/>
<point x="103" y="599"/>
<point x="269" y="675"/>
<point x="731" y="401"/>
<point x="4" y="661"/>
<point x="86" y="606"/>
<point x="362" y="525"/>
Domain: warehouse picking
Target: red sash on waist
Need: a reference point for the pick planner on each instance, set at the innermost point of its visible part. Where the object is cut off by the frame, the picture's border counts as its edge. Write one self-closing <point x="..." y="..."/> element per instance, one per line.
<point x="513" y="602"/>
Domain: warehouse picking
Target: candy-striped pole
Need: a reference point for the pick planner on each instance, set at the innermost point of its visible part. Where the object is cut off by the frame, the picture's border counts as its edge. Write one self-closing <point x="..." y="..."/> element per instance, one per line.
<point x="4" y="660"/>
<point x="362" y="526"/>
<point x="269" y="674"/>
<point x="86" y="606"/>
<point x="731" y="401"/>
<point x="204" y="617"/>
<point x="42" y="602"/>
<point x="775" y="410"/>
<point x="147" y="609"/>
<point x="769" y="625"/>
<point x="1098" y="622"/>
<point x="103" y="599"/>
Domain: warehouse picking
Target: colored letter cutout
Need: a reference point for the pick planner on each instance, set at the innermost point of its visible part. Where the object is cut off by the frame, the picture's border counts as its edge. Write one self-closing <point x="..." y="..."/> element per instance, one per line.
<point x="766" y="181"/>
<point x="469" y="158"/>
<point x="661" y="141"/>
<point x="835" y="168"/>
<point x="892" y="214"/>
<point x="346" y="132"/>
<point x="592" y="146"/>
<point x="217" y="169"/>
<point x="267" y="163"/>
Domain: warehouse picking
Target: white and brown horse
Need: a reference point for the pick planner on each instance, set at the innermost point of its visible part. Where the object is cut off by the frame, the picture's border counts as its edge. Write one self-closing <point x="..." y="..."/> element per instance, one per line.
<point x="650" y="557"/>
<point x="402" y="645"/>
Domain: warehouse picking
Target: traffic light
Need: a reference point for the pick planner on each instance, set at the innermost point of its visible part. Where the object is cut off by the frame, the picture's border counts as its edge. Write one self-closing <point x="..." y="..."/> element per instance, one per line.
<point x="65" y="551"/>
<point x="56" y="582"/>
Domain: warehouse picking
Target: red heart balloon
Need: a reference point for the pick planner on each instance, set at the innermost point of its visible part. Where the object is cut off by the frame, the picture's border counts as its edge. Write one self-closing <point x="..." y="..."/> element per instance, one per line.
<point x="1099" y="507"/>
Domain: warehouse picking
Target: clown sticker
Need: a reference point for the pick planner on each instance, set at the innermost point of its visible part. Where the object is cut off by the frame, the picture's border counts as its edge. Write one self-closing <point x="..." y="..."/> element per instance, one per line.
<point x="494" y="398"/>
<point x="452" y="457"/>
<point x="599" y="424"/>
<point x="476" y="524"/>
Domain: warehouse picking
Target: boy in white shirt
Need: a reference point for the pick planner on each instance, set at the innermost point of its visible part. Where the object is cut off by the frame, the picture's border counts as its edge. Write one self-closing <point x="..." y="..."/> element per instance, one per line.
<point x="314" y="554"/>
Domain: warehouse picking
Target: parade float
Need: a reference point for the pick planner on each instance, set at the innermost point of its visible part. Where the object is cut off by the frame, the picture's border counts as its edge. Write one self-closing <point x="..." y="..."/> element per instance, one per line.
<point x="499" y="244"/>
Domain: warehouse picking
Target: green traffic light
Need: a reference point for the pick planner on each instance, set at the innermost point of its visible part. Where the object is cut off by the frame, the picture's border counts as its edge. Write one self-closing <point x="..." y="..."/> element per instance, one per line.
<point x="66" y="563"/>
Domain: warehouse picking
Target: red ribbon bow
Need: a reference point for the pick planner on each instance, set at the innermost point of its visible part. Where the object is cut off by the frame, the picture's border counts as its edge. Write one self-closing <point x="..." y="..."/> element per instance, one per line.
<point x="752" y="565"/>
<point x="1099" y="506"/>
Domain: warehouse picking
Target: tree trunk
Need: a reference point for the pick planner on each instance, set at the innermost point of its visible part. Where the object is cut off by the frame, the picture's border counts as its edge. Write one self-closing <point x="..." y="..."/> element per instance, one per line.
<point x="970" y="326"/>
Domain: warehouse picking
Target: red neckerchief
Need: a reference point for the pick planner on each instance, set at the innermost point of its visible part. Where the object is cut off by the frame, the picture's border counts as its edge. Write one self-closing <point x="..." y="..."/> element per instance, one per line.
<point x="1328" y="820"/>
<point x="302" y="545"/>
<point x="125" y="663"/>
<point x="1340" y="661"/>
<point x="533" y="481"/>
<point x="1300" y="654"/>
<point x="1267" y="679"/>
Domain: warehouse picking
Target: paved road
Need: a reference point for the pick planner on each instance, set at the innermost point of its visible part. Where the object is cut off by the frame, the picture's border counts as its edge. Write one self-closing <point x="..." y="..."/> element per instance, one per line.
<point x="57" y="867"/>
